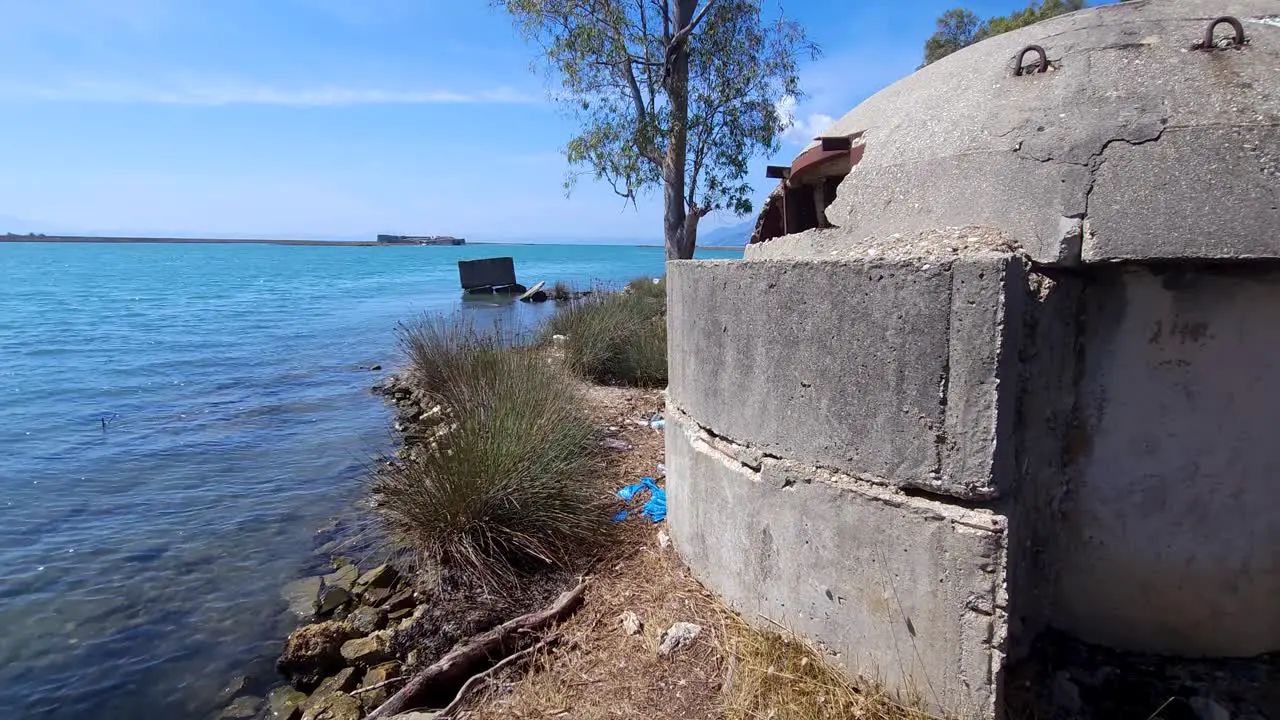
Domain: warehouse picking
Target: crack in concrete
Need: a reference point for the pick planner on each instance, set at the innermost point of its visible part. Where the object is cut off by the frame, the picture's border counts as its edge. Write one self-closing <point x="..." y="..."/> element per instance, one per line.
<point x="979" y="515"/>
<point x="1071" y="249"/>
<point x="1097" y="159"/>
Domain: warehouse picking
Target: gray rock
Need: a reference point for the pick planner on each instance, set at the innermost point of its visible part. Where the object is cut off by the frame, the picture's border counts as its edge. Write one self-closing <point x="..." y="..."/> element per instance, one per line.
<point x="331" y="599"/>
<point x="285" y="703"/>
<point x="382" y="576"/>
<point x="344" y="577"/>
<point x="376" y="596"/>
<point x="367" y="651"/>
<point x="335" y="706"/>
<point x="367" y="619"/>
<point x="677" y="637"/>
<point x="1206" y="709"/>
<point x="302" y="596"/>
<point x="371" y="696"/>
<point x="416" y="715"/>
<point x="345" y="680"/>
<point x="400" y="601"/>
<point x="242" y="707"/>
<point x="1066" y="696"/>
<point x="232" y="688"/>
<point x="312" y="652"/>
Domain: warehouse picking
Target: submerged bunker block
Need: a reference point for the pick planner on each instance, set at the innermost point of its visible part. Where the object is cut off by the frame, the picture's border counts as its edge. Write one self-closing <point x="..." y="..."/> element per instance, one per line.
<point x="489" y="275"/>
<point x="1004" y="356"/>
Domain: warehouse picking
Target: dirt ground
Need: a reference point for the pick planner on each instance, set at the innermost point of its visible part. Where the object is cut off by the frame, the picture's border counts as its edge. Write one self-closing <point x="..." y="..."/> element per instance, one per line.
<point x="596" y="669"/>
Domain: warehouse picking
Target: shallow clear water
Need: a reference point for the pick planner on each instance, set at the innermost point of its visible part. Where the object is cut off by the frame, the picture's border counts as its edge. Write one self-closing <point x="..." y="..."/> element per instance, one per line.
<point x="141" y="562"/>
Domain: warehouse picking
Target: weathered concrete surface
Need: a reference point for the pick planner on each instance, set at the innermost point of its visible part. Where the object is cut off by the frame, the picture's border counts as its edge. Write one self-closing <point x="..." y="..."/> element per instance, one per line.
<point x="1086" y="161"/>
<point x="902" y="589"/>
<point x="488" y="272"/>
<point x="904" y="363"/>
<point x="1044" y="426"/>
<point x="1171" y="534"/>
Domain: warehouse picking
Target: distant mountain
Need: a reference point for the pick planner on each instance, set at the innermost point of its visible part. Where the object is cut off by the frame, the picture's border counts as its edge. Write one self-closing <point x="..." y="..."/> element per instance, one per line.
<point x="728" y="236"/>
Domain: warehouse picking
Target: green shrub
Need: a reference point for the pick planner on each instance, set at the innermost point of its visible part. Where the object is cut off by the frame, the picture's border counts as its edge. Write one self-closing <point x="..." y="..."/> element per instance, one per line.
<point x="616" y="337"/>
<point x="512" y="484"/>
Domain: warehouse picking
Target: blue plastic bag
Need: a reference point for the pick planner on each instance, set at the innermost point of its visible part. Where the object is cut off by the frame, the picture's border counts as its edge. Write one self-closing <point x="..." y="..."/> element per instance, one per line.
<point x="655" y="508"/>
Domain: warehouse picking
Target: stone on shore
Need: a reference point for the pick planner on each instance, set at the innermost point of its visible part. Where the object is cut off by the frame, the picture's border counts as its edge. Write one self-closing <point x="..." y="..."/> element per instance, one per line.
<point x="331" y="599"/>
<point x="242" y="707"/>
<point x="345" y="680"/>
<point x="232" y="688"/>
<point x="334" y="706"/>
<point x="400" y="601"/>
<point x="302" y="596"/>
<point x="376" y="596"/>
<point x="383" y="576"/>
<point x="372" y="698"/>
<point x="285" y="703"/>
<point x="344" y="577"/>
<point x="367" y="651"/>
<point x="313" y="652"/>
<point x="367" y="619"/>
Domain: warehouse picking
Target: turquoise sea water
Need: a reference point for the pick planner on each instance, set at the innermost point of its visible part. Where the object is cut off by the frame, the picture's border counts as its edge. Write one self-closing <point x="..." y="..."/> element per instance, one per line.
<point x="176" y="422"/>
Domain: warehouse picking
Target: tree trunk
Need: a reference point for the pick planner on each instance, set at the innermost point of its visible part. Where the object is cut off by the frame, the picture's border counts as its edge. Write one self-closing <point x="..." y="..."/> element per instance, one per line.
<point x="674" y="226"/>
<point x="691" y="232"/>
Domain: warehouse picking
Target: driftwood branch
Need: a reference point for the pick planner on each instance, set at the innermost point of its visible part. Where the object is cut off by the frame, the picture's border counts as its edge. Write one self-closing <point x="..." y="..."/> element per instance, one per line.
<point x="375" y="686"/>
<point x="452" y="707"/>
<point x="462" y="660"/>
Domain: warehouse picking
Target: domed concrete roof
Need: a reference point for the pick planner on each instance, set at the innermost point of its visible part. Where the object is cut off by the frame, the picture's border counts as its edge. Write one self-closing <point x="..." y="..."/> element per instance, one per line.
<point x="1134" y="144"/>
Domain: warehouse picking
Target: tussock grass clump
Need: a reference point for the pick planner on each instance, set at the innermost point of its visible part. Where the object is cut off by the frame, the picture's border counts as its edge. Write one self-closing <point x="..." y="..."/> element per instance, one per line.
<point x="779" y="676"/>
<point x="616" y="337"/>
<point x="562" y="291"/>
<point x="655" y="288"/>
<point x="510" y="482"/>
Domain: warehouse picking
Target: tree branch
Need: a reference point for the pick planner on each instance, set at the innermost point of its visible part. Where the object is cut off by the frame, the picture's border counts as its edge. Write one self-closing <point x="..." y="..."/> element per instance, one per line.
<point x="457" y="662"/>
<point x="684" y="32"/>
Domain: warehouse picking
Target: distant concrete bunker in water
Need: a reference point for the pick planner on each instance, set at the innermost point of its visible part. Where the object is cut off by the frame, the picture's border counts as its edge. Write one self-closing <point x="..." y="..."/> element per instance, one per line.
<point x="1003" y="356"/>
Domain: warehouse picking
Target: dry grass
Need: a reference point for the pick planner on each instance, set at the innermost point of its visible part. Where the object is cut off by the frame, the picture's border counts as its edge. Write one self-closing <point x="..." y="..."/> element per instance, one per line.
<point x="779" y="676"/>
<point x="732" y="669"/>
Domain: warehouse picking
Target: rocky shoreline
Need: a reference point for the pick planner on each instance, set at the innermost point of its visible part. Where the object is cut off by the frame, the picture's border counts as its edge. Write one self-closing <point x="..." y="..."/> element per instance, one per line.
<point x="355" y="650"/>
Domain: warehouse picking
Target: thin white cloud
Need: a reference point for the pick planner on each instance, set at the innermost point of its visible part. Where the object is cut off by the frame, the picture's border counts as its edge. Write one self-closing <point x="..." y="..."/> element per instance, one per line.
<point x="801" y="130"/>
<point x="218" y="94"/>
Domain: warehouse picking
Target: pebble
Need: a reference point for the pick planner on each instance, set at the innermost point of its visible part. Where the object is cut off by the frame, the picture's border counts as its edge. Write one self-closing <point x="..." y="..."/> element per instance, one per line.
<point x="631" y="624"/>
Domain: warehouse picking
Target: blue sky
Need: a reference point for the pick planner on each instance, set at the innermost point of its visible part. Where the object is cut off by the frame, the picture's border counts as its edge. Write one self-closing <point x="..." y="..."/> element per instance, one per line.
<point x="341" y="118"/>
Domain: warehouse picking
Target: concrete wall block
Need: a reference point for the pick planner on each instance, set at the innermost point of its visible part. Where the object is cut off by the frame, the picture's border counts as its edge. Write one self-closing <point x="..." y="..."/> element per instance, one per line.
<point x="1148" y="203"/>
<point x="903" y="590"/>
<point x="988" y="303"/>
<point x="836" y="363"/>
<point x="845" y="363"/>
<point x="1171" y="527"/>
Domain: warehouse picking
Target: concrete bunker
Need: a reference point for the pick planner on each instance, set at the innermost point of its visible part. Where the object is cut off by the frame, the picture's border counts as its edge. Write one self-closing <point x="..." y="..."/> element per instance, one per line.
<point x="1023" y="374"/>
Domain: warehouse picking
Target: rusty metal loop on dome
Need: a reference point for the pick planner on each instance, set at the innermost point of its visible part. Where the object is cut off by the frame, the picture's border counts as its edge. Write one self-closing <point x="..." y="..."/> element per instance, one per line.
<point x="1208" y="43"/>
<point x="1044" y="59"/>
